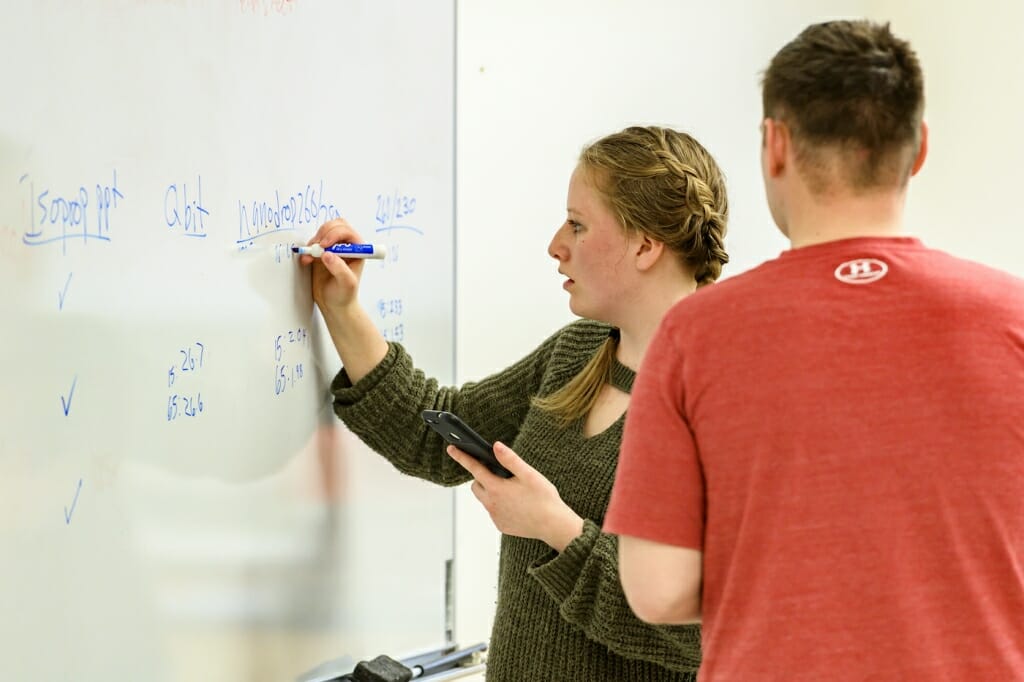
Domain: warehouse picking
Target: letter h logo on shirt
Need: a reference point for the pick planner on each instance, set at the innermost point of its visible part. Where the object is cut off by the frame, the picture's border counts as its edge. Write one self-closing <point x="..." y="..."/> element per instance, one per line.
<point x="861" y="271"/>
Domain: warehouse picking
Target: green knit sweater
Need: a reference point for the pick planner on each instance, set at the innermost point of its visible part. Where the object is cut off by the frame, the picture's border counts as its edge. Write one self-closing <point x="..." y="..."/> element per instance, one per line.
<point x="560" y="616"/>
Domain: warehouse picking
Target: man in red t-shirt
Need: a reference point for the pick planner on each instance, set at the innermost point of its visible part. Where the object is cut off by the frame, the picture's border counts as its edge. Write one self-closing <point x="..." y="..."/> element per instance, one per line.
<point x="823" y="459"/>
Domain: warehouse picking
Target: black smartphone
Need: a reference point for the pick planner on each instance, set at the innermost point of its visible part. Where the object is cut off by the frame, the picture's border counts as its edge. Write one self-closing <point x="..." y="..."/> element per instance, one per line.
<point x="458" y="433"/>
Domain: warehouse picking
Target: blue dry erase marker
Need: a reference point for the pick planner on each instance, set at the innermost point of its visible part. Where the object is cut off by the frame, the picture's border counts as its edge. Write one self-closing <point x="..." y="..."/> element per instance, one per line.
<point x="374" y="251"/>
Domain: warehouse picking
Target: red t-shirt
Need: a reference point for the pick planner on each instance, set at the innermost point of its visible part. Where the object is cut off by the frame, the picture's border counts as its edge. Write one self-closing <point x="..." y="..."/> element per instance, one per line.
<point x="840" y="431"/>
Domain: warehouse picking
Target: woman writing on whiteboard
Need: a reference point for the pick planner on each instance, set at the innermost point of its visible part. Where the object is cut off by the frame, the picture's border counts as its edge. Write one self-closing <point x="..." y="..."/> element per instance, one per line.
<point x="646" y="217"/>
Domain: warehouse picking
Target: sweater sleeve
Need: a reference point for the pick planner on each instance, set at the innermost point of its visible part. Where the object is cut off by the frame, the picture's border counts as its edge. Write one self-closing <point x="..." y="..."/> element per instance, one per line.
<point x="383" y="409"/>
<point x="584" y="581"/>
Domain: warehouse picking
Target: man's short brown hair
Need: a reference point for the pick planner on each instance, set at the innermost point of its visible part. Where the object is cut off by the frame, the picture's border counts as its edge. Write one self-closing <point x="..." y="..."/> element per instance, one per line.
<point x="854" y="89"/>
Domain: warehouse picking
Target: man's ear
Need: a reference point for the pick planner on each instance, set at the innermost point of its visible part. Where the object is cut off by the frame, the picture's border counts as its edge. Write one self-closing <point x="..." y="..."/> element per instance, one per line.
<point x="777" y="144"/>
<point x="648" y="251"/>
<point x="922" y="150"/>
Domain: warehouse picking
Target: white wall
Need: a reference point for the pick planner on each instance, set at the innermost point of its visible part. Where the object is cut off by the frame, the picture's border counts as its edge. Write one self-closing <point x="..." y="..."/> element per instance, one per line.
<point x="536" y="80"/>
<point x="968" y="197"/>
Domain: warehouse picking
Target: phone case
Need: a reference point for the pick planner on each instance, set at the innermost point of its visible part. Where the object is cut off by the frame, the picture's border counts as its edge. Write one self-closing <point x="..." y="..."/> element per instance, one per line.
<point x="458" y="433"/>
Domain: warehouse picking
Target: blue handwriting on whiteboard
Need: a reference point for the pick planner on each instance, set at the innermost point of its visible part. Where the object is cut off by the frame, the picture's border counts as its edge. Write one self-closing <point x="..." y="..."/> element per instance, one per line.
<point x="63" y="218"/>
<point x="283" y="252"/>
<point x="395" y="333"/>
<point x="391" y="306"/>
<point x="63" y="292"/>
<point x="185" y="211"/>
<point x="66" y="404"/>
<point x="390" y="310"/>
<point x="287" y="372"/>
<point x="74" y="502"/>
<point x="189" y="362"/>
<point x="261" y="218"/>
<point x="191" y="405"/>
<point x="286" y="376"/>
<point x="392" y="208"/>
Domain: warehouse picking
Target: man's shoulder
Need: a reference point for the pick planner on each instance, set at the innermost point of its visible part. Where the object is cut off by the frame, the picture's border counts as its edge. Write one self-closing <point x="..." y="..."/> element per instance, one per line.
<point x="968" y="280"/>
<point x="979" y="270"/>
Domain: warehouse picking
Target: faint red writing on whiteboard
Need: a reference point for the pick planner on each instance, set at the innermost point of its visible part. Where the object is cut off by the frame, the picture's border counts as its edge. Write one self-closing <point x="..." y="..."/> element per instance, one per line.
<point x="265" y="7"/>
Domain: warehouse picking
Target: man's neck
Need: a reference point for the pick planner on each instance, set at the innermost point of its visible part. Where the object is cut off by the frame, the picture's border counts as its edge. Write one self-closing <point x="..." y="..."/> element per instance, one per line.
<point x="829" y="219"/>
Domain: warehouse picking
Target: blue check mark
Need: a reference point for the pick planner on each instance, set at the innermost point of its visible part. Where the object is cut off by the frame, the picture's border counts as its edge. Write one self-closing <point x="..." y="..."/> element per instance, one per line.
<point x="64" y="292"/>
<point x="66" y="404"/>
<point x="69" y="512"/>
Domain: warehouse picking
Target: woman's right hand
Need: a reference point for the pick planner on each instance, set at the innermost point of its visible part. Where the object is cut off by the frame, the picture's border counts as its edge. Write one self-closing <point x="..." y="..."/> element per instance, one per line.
<point x="335" y="279"/>
<point x="359" y="343"/>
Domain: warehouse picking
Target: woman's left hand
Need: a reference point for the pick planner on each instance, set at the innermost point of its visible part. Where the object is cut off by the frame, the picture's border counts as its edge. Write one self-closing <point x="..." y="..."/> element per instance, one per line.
<point x="526" y="505"/>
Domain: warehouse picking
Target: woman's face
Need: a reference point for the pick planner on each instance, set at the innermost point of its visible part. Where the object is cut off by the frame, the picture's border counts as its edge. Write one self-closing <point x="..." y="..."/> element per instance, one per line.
<point x="592" y="251"/>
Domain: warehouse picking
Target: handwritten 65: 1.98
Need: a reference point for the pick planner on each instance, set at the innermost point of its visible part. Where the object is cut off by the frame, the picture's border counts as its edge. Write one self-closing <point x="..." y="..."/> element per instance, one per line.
<point x="286" y="376"/>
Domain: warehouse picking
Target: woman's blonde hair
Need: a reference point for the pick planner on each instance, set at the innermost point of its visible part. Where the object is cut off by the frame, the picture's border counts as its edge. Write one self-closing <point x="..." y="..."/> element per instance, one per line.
<point x="664" y="184"/>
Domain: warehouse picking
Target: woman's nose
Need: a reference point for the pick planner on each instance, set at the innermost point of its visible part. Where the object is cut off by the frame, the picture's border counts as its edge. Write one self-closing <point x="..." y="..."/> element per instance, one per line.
<point x="556" y="248"/>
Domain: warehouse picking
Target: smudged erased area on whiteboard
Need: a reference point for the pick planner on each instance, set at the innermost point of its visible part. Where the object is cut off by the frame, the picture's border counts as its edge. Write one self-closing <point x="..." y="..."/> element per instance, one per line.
<point x="177" y="500"/>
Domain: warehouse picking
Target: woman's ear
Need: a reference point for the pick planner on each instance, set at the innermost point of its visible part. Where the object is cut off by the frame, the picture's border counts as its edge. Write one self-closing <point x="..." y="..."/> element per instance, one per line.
<point x="648" y="251"/>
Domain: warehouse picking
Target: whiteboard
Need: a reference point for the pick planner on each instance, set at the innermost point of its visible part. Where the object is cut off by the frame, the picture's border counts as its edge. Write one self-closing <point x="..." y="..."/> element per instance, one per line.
<point x="177" y="500"/>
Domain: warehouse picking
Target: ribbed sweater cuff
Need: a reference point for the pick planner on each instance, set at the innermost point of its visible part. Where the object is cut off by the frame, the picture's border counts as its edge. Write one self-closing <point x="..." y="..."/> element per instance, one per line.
<point x="558" y="572"/>
<point x="347" y="393"/>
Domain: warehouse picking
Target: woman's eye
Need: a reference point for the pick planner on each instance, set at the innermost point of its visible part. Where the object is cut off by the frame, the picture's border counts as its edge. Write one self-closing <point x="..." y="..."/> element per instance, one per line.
<point x="574" y="225"/>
